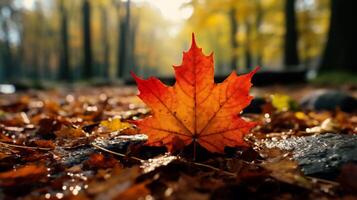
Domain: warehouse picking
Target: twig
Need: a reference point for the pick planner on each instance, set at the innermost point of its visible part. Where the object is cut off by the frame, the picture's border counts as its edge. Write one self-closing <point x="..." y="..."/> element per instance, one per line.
<point x="25" y="147"/>
<point x="116" y="153"/>
<point x="213" y="168"/>
<point x="323" y="180"/>
<point x="141" y="160"/>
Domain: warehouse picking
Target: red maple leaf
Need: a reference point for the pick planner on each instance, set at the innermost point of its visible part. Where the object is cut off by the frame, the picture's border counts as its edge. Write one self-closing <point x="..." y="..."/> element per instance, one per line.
<point x="196" y="109"/>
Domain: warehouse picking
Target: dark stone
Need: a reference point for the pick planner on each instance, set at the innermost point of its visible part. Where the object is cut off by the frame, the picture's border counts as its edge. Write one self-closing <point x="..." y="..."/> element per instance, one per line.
<point x="329" y="100"/>
<point x="320" y="154"/>
<point x="255" y="106"/>
<point x="120" y="144"/>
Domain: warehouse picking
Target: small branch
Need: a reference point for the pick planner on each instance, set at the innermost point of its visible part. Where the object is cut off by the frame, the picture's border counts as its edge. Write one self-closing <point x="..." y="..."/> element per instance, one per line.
<point x="24" y="147"/>
<point x="141" y="160"/>
<point x="213" y="168"/>
<point x="116" y="153"/>
<point x="323" y="181"/>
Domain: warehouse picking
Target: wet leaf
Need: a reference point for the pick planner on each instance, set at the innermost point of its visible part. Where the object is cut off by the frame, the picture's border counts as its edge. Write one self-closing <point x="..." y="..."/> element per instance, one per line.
<point x="99" y="161"/>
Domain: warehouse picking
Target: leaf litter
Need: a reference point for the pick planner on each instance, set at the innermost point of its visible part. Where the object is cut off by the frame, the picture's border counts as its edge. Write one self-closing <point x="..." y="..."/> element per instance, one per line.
<point x="53" y="154"/>
<point x="82" y="144"/>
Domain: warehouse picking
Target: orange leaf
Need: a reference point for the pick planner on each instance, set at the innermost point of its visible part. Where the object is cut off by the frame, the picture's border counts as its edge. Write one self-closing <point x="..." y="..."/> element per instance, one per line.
<point x="196" y="109"/>
<point x="27" y="173"/>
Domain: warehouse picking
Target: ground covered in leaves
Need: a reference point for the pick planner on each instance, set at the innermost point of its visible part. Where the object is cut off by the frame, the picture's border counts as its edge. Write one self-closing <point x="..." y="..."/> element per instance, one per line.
<point x="80" y="144"/>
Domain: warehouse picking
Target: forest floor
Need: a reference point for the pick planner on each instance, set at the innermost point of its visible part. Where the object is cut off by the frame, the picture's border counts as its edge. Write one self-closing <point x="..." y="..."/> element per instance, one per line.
<point x="78" y="144"/>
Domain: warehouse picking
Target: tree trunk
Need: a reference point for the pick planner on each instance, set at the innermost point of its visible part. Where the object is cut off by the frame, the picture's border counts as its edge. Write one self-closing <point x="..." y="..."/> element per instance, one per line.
<point x="340" y="51"/>
<point x="20" y="57"/>
<point x="124" y="42"/>
<point x="234" y="42"/>
<point x="6" y="53"/>
<point x="105" y="41"/>
<point x="131" y="57"/>
<point x="87" y="46"/>
<point x="37" y="44"/>
<point x="291" y="58"/>
<point x="308" y="43"/>
<point x="65" y="70"/>
<point x="258" y="23"/>
<point x="117" y="5"/>
<point x="248" y="55"/>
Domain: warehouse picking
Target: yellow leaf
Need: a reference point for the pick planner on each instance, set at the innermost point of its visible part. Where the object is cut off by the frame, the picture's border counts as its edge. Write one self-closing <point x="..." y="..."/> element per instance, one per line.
<point x="280" y="102"/>
<point x="301" y="116"/>
<point x="114" y="124"/>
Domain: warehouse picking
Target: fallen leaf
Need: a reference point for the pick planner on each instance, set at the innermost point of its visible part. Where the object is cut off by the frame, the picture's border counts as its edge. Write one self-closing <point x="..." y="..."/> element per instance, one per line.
<point x="114" y="124"/>
<point x="281" y="102"/>
<point x="99" y="161"/>
<point x="196" y="109"/>
<point x="3" y="155"/>
<point x="327" y="126"/>
<point x="45" y="144"/>
<point x="287" y="171"/>
<point x="348" y="177"/>
<point x="23" y="174"/>
<point x="116" y="182"/>
<point x="137" y="191"/>
<point x="152" y="164"/>
<point x="69" y="132"/>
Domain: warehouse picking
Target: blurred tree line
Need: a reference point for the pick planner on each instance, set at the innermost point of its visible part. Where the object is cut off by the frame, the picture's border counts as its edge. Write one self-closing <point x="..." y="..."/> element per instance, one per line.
<point x="85" y="39"/>
<point x="80" y="40"/>
<point x="277" y="34"/>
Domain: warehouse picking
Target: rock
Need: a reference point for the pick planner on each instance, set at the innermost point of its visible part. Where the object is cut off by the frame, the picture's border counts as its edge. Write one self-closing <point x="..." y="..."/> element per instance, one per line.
<point x="70" y="157"/>
<point x="322" y="154"/>
<point x="329" y="100"/>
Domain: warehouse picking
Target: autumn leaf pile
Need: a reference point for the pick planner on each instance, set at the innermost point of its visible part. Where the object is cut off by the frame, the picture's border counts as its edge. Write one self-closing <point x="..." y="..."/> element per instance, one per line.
<point x="105" y="143"/>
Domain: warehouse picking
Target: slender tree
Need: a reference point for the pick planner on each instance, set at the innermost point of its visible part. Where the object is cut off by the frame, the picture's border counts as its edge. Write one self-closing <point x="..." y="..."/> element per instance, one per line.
<point x="117" y="5"/>
<point x="7" y="57"/>
<point x="64" y="68"/>
<point x="131" y="47"/>
<point x="340" y="51"/>
<point x="234" y="43"/>
<point x="247" y="49"/>
<point x="306" y="32"/>
<point x="291" y="57"/>
<point x="258" y="24"/>
<point x="124" y="42"/>
<point x="20" y="57"/>
<point x="6" y="53"/>
<point x="105" y="41"/>
<point x="87" y="44"/>
<point x="37" y="46"/>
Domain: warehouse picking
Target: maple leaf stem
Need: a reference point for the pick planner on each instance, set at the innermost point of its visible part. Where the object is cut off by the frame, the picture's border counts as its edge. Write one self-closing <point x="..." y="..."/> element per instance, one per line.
<point x="194" y="149"/>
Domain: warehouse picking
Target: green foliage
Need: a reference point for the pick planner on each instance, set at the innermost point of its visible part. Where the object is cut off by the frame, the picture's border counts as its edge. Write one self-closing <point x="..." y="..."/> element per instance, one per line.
<point x="335" y="78"/>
